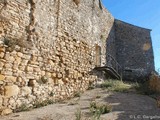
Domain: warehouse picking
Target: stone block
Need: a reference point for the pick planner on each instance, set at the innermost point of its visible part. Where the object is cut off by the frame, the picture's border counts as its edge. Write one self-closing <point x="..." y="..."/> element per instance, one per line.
<point x="51" y="62"/>
<point x="37" y="69"/>
<point x="18" y="60"/>
<point x="19" y="54"/>
<point x="1" y="82"/>
<point x="26" y="90"/>
<point x="6" y="111"/>
<point x="40" y="59"/>
<point x="1" y="101"/>
<point x="1" y="64"/>
<point x="2" y="77"/>
<point x="32" y="83"/>
<point x="2" y="54"/>
<point x="54" y="75"/>
<point x="2" y="49"/>
<point x="10" y="91"/>
<point x="59" y="75"/>
<point x="43" y="73"/>
<point x="8" y="65"/>
<point x="11" y="78"/>
<point x="29" y="69"/>
<point x="27" y="57"/>
<point x="48" y="74"/>
<point x="24" y="62"/>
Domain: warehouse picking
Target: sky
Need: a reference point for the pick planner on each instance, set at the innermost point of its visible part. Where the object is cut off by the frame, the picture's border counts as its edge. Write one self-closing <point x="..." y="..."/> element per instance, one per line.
<point x="143" y="13"/>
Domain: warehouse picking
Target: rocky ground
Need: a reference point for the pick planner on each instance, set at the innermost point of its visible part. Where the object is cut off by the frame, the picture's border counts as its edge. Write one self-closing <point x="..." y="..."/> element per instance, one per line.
<point x="126" y="106"/>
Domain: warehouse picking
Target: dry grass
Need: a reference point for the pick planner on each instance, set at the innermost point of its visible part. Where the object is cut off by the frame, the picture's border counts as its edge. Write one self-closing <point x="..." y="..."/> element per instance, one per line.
<point x="116" y="85"/>
<point x="97" y="109"/>
<point x="154" y="83"/>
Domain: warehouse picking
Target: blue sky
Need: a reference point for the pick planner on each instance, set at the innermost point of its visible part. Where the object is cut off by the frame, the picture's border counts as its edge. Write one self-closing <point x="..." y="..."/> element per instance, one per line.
<point x="143" y="13"/>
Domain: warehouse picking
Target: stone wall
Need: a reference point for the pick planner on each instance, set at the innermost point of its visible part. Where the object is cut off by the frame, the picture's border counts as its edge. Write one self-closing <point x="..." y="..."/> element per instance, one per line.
<point x="134" y="51"/>
<point x="47" y="49"/>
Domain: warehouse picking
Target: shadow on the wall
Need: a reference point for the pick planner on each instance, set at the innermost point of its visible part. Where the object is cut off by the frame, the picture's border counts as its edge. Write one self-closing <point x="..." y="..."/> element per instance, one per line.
<point x="108" y="58"/>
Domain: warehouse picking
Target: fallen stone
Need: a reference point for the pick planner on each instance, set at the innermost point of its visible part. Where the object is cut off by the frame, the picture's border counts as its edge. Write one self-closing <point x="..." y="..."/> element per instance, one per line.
<point x="6" y="111"/>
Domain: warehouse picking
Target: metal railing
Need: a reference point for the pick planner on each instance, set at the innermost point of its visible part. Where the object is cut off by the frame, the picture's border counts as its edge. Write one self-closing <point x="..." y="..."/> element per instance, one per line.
<point x="111" y="66"/>
<point x="112" y="63"/>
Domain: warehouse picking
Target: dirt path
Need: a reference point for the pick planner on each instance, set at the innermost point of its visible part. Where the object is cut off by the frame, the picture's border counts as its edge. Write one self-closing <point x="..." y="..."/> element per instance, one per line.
<point x="126" y="106"/>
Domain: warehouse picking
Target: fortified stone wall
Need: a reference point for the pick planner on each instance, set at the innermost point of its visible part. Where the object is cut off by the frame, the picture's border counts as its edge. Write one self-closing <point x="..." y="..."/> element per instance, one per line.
<point x="47" y="48"/>
<point x="111" y="48"/>
<point x="134" y="51"/>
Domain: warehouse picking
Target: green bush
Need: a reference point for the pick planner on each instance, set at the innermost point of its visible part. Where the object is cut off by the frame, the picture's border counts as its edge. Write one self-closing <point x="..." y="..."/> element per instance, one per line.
<point x="77" y="94"/>
<point x="98" y="108"/>
<point x="78" y="114"/>
<point x="39" y="104"/>
<point x="23" y="107"/>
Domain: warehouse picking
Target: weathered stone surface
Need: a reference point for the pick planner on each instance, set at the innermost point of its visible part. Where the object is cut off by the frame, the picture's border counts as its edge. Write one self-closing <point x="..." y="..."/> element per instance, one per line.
<point x="11" y="90"/>
<point x="61" y="42"/>
<point x="134" y="51"/>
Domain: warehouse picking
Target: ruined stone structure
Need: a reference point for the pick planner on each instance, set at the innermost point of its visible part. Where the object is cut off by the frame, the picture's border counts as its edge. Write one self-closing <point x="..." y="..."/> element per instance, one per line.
<point x="49" y="48"/>
<point x="134" y="51"/>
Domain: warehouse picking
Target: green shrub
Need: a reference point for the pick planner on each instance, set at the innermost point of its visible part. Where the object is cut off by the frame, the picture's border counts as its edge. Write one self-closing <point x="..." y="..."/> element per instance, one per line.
<point x="39" y="104"/>
<point x="77" y="94"/>
<point x="98" y="108"/>
<point x="98" y="96"/>
<point x="78" y="114"/>
<point x="116" y="85"/>
<point x="23" y="107"/>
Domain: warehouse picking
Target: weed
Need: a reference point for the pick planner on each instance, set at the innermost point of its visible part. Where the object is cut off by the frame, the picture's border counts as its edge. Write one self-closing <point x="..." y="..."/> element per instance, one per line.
<point x="39" y="104"/>
<point x="116" y="85"/>
<point x="6" y="41"/>
<point x="43" y="80"/>
<point x="77" y="94"/>
<point x="98" y="108"/>
<point x="98" y="96"/>
<point x="91" y="87"/>
<point x="51" y="94"/>
<point x="73" y="103"/>
<point x="23" y="107"/>
<point x="78" y="114"/>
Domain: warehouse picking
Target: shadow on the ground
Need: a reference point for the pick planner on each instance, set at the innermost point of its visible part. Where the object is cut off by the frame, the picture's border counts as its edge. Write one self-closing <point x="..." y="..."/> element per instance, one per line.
<point x="129" y="106"/>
